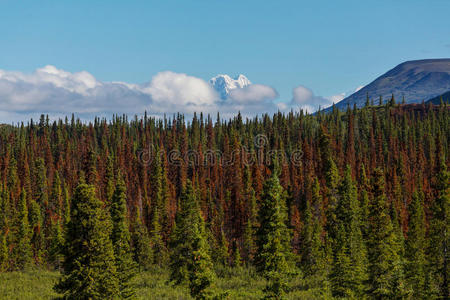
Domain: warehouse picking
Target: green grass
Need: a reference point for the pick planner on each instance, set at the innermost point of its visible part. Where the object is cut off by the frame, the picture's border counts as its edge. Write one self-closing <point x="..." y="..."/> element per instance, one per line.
<point x="238" y="283"/>
<point x="30" y="285"/>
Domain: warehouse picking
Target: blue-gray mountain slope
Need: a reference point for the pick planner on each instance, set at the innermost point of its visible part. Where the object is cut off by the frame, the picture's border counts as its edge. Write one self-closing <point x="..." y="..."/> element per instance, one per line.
<point x="416" y="81"/>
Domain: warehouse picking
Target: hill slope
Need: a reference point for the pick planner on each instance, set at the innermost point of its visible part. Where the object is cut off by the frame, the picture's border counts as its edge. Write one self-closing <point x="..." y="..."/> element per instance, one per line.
<point x="417" y="81"/>
<point x="437" y="100"/>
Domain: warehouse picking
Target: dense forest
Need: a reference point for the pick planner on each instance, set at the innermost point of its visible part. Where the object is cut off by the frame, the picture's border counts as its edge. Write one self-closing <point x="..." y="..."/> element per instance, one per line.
<point x="354" y="203"/>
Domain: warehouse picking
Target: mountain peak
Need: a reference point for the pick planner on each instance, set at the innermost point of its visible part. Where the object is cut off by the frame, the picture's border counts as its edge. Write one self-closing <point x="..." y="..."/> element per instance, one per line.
<point x="223" y="83"/>
<point x="415" y="80"/>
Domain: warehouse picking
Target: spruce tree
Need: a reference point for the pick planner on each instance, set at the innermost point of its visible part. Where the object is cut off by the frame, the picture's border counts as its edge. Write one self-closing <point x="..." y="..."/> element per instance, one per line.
<point x="313" y="259"/>
<point x="41" y="184"/>
<point x="415" y="247"/>
<point x="142" y="252"/>
<point x="4" y="228"/>
<point x="220" y="253"/>
<point x="66" y="205"/>
<point x="22" y="251"/>
<point x="331" y="173"/>
<point x="56" y="201"/>
<point x="249" y="245"/>
<point x="4" y="252"/>
<point x="91" y="167"/>
<point x="273" y="238"/>
<point x="158" y="196"/>
<point x="37" y="239"/>
<point x="109" y="179"/>
<point x="402" y="289"/>
<point x="349" y="267"/>
<point x="439" y="236"/>
<point x="190" y="260"/>
<point x="236" y="252"/>
<point x="56" y="244"/>
<point x="120" y="237"/>
<point x="54" y="230"/>
<point x="364" y="204"/>
<point x="159" y="250"/>
<point x="200" y="269"/>
<point x="385" y="269"/>
<point x="89" y="263"/>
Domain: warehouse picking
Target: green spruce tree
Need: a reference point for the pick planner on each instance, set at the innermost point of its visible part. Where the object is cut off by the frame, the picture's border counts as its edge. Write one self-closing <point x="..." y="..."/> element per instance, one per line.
<point x="249" y="245"/>
<point x="120" y="237"/>
<point x="314" y="261"/>
<point x="385" y="268"/>
<point x="37" y="239"/>
<point x="349" y="252"/>
<point x="190" y="259"/>
<point x="142" y="252"/>
<point x="158" y="247"/>
<point x="273" y="259"/>
<point x="415" y="247"/>
<point x="4" y="252"/>
<point x="439" y="237"/>
<point x="22" y="251"/>
<point x="89" y="264"/>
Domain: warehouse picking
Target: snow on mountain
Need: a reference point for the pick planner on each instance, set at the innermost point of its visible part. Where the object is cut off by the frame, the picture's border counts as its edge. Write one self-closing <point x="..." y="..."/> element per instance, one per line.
<point x="223" y="84"/>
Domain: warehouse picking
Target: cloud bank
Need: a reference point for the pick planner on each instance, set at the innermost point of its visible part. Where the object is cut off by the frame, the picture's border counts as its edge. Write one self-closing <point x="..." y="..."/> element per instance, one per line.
<point x="60" y="93"/>
<point x="304" y="98"/>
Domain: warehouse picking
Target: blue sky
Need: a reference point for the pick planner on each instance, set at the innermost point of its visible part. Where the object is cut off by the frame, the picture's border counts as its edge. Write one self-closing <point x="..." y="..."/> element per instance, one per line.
<point x="330" y="47"/>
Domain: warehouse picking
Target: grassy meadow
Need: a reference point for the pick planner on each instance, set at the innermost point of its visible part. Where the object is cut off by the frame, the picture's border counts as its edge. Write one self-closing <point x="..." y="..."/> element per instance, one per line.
<point x="237" y="283"/>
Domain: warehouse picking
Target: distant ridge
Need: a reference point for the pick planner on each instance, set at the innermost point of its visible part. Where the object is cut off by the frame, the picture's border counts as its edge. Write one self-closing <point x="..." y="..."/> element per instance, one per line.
<point x="415" y="81"/>
<point x="437" y="100"/>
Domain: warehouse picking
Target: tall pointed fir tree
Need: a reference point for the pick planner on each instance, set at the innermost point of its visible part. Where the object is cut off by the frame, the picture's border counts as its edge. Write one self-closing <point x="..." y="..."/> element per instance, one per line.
<point x="190" y="261"/>
<point x="415" y="247"/>
<point x="249" y="244"/>
<point x="439" y="237"/>
<point x="364" y="203"/>
<point x="385" y="269"/>
<point x="38" y="206"/>
<point x="314" y="261"/>
<point x="331" y="175"/>
<point x="274" y="254"/>
<point x="156" y="240"/>
<point x="142" y="252"/>
<point x="349" y="253"/>
<point x="89" y="264"/>
<point x="4" y="252"/>
<point x="22" y="251"/>
<point x="56" y="244"/>
<point x="109" y="179"/>
<point x="54" y="230"/>
<point x="4" y="228"/>
<point x="37" y="238"/>
<point x="66" y="216"/>
<point x="159" y="250"/>
<point x="120" y="237"/>
<point x="91" y="167"/>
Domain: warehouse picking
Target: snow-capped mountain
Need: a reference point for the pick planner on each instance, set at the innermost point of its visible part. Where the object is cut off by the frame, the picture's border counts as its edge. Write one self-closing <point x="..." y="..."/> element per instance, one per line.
<point x="223" y="84"/>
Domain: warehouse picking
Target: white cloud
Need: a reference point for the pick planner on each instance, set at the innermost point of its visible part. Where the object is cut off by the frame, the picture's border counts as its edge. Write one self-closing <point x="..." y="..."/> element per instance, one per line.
<point x="181" y="89"/>
<point x="304" y="98"/>
<point x="253" y="93"/>
<point x="58" y="93"/>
